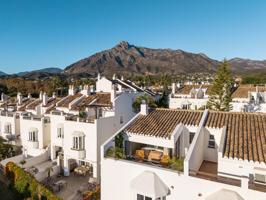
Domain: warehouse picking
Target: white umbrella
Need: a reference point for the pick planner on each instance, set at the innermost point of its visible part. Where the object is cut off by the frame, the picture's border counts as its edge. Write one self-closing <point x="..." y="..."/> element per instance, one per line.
<point x="224" y="194"/>
<point x="149" y="184"/>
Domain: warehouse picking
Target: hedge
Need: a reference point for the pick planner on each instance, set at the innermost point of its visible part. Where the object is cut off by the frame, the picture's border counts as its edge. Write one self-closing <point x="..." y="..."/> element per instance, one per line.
<point x="26" y="184"/>
<point x="92" y="195"/>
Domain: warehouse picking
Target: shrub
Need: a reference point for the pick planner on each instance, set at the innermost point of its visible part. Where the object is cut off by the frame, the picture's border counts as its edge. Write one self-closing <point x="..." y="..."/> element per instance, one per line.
<point x="115" y="152"/>
<point x="92" y="195"/>
<point x="26" y="184"/>
<point x="177" y="164"/>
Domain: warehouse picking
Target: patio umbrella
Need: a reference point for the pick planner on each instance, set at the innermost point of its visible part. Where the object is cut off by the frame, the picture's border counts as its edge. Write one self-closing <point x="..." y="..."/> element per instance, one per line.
<point x="149" y="184"/>
<point x="224" y="194"/>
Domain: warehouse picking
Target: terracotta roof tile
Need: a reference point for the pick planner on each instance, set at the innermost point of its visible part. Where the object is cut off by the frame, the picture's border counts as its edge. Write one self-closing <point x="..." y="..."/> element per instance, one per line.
<point x="162" y="122"/>
<point x="245" y="134"/>
<point x="242" y="91"/>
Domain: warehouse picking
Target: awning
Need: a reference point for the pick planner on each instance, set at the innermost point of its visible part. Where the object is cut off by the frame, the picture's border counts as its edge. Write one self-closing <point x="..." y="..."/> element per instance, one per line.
<point x="78" y="134"/>
<point x="150" y="185"/>
<point x="224" y="194"/>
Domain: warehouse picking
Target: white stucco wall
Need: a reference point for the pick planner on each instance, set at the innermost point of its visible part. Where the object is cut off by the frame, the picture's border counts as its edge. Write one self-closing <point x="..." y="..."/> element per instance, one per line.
<point x="117" y="175"/>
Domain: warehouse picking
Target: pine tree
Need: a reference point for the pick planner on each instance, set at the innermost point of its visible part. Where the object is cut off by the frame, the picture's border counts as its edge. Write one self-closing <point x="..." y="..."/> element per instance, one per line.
<point x="220" y="94"/>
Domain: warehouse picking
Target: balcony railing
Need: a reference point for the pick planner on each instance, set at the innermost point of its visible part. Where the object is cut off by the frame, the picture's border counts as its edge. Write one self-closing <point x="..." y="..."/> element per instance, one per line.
<point x="163" y="161"/>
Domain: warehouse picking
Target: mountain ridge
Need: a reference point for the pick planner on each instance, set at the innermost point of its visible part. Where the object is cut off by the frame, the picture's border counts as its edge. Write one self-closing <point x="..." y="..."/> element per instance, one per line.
<point x="125" y="58"/>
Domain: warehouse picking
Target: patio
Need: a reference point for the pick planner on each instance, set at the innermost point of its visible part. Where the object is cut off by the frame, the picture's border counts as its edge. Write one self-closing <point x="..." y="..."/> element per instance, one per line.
<point x="72" y="186"/>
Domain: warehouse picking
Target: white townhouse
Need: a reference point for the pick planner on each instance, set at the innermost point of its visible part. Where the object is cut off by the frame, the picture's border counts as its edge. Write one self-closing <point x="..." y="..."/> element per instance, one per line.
<point x="67" y="131"/>
<point x="81" y="122"/>
<point x="249" y="98"/>
<point x="177" y="154"/>
<point x="189" y="96"/>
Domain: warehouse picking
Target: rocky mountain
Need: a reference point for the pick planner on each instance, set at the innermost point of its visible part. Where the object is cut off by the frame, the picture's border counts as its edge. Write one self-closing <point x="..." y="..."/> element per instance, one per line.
<point x="241" y="65"/>
<point x="125" y="58"/>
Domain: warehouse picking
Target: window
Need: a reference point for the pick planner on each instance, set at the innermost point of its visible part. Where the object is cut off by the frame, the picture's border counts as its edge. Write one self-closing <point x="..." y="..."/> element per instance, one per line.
<point x="8" y="128"/>
<point x="78" y="143"/>
<point x="260" y="178"/>
<point x="142" y="197"/>
<point x="60" y="132"/>
<point x="211" y="143"/>
<point x="33" y="136"/>
<point x="191" y="136"/>
<point x="161" y="198"/>
<point x="121" y="120"/>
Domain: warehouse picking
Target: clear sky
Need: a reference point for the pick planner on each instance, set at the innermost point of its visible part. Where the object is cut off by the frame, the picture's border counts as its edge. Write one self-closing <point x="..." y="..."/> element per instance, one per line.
<point x="52" y="33"/>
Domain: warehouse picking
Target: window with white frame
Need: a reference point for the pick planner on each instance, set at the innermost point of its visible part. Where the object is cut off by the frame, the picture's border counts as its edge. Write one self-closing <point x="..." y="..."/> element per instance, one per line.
<point x="60" y="132"/>
<point x="191" y="136"/>
<point x="260" y="178"/>
<point x="78" y="143"/>
<point x="142" y="197"/>
<point x="211" y="143"/>
<point x="7" y="128"/>
<point x="33" y="135"/>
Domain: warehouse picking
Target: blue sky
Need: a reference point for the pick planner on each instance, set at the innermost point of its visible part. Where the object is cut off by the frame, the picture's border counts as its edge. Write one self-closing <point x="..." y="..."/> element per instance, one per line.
<point x="38" y="34"/>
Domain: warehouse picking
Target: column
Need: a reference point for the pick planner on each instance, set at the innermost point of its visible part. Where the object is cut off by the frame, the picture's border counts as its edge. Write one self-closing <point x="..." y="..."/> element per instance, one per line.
<point x="66" y="167"/>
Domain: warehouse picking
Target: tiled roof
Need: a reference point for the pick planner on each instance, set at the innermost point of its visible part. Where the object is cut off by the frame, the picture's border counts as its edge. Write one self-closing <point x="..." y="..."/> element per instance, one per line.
<point x="98" y="99"/>
<point x="25" y="103"/>
<point x="34" y="104"/>
<point x="162" y="122"/>
<point x="242" y="91"/>
<point x="52" y="101"/>
<point x="245" y="134"/>
<point x="84" y="103"/>
<point x="185" y="89"/>
<point x="68" y="100"/>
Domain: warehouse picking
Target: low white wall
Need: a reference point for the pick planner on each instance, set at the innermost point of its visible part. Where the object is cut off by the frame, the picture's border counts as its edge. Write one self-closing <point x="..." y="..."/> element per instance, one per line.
<point x="117" y="175"/>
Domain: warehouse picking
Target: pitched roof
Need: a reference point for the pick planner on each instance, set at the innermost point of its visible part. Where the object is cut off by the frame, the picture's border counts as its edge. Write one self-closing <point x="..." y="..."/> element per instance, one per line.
<point x="242" y="91"/>
<point x="162" y="122"/>
<point x="68" y="100"/>
<point x="245" y="134"/>
<point x="185" y="89"/>
<point x="98" y="99"/>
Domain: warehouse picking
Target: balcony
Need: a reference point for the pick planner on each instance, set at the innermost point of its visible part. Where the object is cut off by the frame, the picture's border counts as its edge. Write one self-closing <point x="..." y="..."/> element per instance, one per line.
<point x="78" y="154"/>
<point x="148" y="156"/>
<point x="33" y="144"/>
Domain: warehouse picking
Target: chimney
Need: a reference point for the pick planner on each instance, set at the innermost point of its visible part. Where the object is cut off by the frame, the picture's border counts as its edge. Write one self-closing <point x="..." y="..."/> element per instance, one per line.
<point x="92" y="89"/>
<point x="29" y="96"/>
<point x="178" y="85"/>
<point x="143" y="108"/>
<point x="19" y="98"/>
<point x="85" y="90"/>
<point x="44" y="99"/>
<point x="114" y="76"/>
<point x="98" y="76"/>
<point x="113" y="93"/>
<point x="40" y="95"/>
<point x="122" y="78"/>
<point x="54" y="95"/>
<point x="71" y="90"/>
<point x="173" y="88"/>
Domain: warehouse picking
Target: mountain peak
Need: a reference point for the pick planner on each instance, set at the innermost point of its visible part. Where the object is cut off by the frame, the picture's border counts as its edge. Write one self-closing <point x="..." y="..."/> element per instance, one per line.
<point x="123" y="45"/>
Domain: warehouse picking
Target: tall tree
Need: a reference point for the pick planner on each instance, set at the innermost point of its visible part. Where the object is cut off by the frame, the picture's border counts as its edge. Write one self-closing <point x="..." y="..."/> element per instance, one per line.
<point x="220" y="94"/>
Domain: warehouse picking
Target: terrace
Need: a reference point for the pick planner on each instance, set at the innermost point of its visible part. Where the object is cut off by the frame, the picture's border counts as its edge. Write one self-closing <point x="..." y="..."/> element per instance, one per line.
<point x="147" y="154"/>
